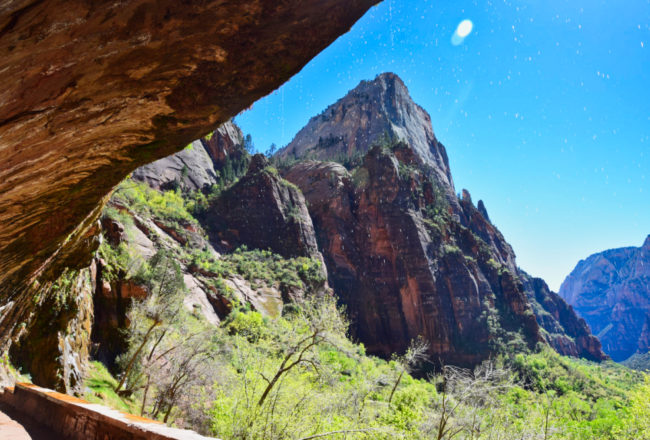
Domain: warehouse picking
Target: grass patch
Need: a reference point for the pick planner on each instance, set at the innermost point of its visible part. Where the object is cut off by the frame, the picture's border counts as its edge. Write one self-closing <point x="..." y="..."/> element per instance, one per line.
<point x="12" y="371"/>
<point x="100" y="388"/>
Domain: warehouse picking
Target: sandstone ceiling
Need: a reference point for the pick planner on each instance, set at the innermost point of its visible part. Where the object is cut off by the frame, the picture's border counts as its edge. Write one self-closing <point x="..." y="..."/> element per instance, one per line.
<point x="92" y="89"/>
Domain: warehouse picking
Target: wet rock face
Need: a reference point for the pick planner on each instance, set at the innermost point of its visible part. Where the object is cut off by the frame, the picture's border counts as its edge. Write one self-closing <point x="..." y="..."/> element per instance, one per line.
<point x="111" y="299"/>
<point x="262" y="211"/>
<point x="611" y="291"/>
<point x="567" y="333"/>
<point x="96" y="89"/>
<point x="54" y="347"/>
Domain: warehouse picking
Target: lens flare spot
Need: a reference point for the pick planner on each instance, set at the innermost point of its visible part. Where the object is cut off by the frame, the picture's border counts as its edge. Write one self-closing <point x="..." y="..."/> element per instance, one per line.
<point x="464" y="28"/>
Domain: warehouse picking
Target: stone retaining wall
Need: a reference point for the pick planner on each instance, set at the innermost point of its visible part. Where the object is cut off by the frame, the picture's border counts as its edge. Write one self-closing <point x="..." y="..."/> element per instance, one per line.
<point x="76" y="419"/>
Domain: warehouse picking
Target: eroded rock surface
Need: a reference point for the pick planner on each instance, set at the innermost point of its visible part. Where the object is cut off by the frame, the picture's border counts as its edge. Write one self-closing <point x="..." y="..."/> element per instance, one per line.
<point x="95" y="89"/>
<point x="402" y="274"/>
<point x="375" y="111"/>
<point x="54" y="347"/>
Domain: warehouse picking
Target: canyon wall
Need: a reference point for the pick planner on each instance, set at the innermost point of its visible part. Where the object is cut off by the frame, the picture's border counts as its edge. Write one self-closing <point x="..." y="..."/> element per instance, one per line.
<point x="405" y="254"/>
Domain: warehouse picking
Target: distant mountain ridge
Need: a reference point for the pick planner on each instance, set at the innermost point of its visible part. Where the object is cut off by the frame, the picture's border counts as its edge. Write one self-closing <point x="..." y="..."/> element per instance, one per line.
<point x="611" y="291"/>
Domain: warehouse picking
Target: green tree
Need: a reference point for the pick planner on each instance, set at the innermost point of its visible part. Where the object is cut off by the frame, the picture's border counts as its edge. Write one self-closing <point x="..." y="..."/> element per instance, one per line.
<point x="271" y="150"/>
<point x="151" y="318"/>
<point x="636" y="424"/>
<point x="249" y="145"/>
<point x="414" y="356"/>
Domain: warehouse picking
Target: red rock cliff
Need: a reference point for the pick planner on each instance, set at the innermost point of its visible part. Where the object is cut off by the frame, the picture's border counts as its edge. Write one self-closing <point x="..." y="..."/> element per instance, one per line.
<point x="402" y="272"/>
<point x="405" y="255"/>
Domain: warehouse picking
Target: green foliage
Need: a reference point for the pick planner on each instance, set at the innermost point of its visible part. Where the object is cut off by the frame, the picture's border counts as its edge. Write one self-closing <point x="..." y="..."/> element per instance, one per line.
<point x="388" y="140"/>
<point x="121" y="262"/>
<point x="232" y="168"/>
<point x="197" y="203"/>
<point x="271" y="150"/>
<point x="100" y="388"/>
<point x="7" y="367"/>
<point x="262" y="267"/>
<point x="548" y="371"/>
<point x="406" y="172"/>
<point x="293" y="213"/>
<point x="169" y="209"/>
<point x="118" y="215"/>
<point x="62" y="289"/>
<point x="329" y="141"/>
<point x="250" y="325"/>
<point x="636" y="422"/>
<point x="436" y="213"/>
<point x="295" y="376"/>
<point x="248" y="144"/>
<point x="350" y="161"/>
<point x="152" y="320"/>
<point x="494" y="264"/>
<point x="347" y="390"/>
<point x="360" y="177"/>
<point x="166" y="206"/>
<point x="638" y="361"/>
<point x="452" y="249"/>
<point x="298" y="375"/>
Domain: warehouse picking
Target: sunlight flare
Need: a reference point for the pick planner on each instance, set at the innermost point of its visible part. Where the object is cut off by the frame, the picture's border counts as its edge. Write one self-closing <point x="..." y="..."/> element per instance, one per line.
<point x="462" y="31"/>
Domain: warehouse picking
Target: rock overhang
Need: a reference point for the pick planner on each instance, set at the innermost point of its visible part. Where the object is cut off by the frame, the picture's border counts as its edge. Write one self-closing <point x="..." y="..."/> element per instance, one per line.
<point x="98" y="89"/>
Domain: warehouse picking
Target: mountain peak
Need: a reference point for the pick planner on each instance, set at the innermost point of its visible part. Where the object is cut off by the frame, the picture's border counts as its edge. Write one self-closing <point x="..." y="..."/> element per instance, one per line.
<point x="646" y="244"/>
<point x="388" y="77"/>
<point x="371" y="112"/>
<point x="387" y="81"/>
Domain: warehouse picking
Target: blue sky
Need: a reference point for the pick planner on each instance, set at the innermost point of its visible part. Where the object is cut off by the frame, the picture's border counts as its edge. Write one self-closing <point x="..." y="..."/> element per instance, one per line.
<point x="544" y="109"/>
